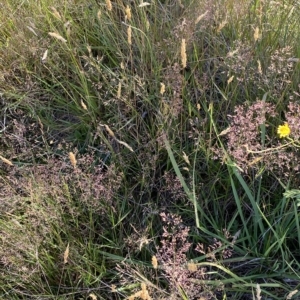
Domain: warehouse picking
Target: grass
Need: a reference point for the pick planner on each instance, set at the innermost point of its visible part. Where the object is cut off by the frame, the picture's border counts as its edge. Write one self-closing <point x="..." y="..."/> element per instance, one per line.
<point x="131" y="134"/>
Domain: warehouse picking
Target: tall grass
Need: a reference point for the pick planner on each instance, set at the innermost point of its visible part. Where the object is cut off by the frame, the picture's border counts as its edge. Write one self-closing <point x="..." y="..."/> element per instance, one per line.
<point x="123" y="143"/>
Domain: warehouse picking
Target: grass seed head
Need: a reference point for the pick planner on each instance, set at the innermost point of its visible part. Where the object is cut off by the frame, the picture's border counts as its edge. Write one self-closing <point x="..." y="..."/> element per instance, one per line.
<point x="99" y="15"/>
<point x="291" y="294"/>
<point x="108" y="5"/>
<point x="83" y="105"/>
<point x="230" y="79"/>
<point x="258" y="292"/>
<point x="183" y="53"/>
<point x="186" y="158"/>
<point x="110" y="132"/>
<point x="45" y="56"/>
<point x="72" y="159"/>
<point x="8" y="162"/>
<point x="56" y="13"/>
<point x="57" y="36"/>
<point x="93" y="296"/>
<point x="143" y="4"/>
<point x="119" y="90"/>
<point x="128" y="13"/>
<point x="257" y="34"/>
<point x="154" y="262"/>
<point x="66" y="254"/>
<point x="259" y="67"/>
<point x="67" y="26"/>
<point x="147" y="24"/>
<point x="162" y="88"/>
<point x="192" y="267"/>
<point x="221" y="26"/>
<point x="201" y="17"/>
<point x="129" y="35"/>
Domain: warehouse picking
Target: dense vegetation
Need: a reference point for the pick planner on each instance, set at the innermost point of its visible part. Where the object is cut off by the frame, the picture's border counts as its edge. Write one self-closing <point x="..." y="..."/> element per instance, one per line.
<point x="149" y="150"/>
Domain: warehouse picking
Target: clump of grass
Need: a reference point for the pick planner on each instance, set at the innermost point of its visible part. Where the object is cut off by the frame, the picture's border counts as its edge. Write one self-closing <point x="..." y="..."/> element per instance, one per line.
<point x="47" y="233"/>
<point x="252" y="141"/>
<point x="113" y="113"/>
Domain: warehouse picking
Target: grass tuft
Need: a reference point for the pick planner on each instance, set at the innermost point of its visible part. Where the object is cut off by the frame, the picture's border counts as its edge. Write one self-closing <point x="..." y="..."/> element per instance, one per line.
<point x="149" y="150"/>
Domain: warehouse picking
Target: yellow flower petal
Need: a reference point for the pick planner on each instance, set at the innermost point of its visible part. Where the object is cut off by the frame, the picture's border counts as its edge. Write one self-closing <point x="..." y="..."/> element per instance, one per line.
<point x="284" y="130"/>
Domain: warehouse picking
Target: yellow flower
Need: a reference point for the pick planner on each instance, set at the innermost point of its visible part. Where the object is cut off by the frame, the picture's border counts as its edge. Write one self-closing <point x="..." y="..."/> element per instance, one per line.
<point x="284" y="130"/>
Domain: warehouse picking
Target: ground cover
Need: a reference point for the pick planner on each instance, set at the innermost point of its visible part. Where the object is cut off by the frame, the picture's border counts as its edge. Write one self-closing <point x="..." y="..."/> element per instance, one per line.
<point x="149" y="150"/>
